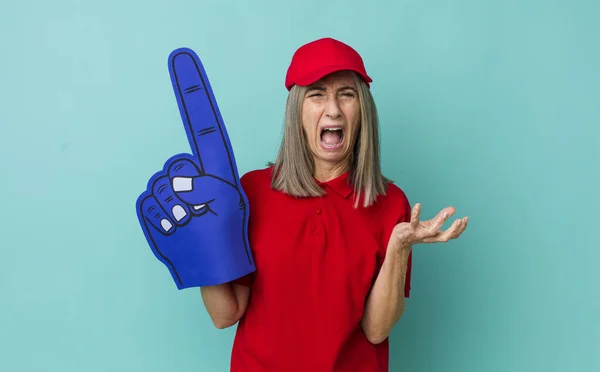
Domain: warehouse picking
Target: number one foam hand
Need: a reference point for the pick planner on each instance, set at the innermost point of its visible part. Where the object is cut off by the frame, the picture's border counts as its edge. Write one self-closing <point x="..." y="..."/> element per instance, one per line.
<point x="194" y="212"/>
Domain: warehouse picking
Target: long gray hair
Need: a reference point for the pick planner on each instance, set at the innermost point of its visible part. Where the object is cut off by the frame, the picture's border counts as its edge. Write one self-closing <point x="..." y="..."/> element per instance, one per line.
<point x="294" y="168"/>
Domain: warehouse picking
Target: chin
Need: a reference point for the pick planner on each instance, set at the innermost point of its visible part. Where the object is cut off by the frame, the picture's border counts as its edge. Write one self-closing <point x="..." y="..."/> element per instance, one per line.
<point x="332" y="155"/>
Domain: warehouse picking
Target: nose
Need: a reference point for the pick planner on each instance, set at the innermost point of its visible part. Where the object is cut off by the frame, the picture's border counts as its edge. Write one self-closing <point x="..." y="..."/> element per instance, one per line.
<point x="332" y="109"/>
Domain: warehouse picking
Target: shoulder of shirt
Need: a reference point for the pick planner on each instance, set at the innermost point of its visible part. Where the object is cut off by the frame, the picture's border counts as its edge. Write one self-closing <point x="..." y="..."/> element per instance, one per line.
<point x="257" y="174"/>
<point x="395" y="203"/>
<point x="394" y="192"/>
<point x="257" y="178"/>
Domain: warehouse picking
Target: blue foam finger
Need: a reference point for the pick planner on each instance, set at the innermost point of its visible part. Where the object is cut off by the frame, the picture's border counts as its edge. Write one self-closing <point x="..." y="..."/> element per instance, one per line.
<point x="201" y="116"/>
<point x="194" y="212"/>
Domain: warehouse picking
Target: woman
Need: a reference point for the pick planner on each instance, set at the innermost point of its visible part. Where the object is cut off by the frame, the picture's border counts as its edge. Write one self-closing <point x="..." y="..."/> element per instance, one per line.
<point x="331" y="236"/>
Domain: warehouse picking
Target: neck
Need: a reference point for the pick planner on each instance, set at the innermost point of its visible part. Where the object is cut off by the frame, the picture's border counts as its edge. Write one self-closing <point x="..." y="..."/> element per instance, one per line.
<point x="325" y="171"/>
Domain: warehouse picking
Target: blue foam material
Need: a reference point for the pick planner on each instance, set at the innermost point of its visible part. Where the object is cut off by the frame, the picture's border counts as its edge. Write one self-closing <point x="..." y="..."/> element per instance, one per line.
<point x="194" y="212"/>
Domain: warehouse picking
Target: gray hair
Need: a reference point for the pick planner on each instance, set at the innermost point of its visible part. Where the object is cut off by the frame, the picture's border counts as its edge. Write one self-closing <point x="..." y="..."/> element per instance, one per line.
<point x="294" y="167"/>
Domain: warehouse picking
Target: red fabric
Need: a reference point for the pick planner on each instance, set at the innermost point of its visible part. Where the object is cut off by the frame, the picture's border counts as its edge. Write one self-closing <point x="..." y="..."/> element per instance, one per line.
<point x="321" y="57"/>
<point x="316" y="260"/>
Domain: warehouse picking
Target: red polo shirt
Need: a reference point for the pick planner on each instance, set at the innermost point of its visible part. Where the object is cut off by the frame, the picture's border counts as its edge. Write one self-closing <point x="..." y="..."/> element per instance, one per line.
<point x="316" y="261"/>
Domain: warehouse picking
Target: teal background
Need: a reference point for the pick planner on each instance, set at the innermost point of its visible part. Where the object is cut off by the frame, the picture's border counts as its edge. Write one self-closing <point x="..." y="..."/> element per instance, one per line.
<point x="492" y="107"/>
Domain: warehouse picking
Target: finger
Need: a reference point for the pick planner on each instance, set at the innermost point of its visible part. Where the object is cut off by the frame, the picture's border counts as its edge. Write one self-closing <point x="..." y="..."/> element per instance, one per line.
<point x="216" y="195"/>
<point x="438" y="221"/>
<point x="153" y="213"/>
<point x="202" y="193"/>
<point x="434" y="225"/>
<point x="181" y="173"/>
<point x="414" y="219"/>
<point x="452" y="231"/>
<point x="201" y="116"/>
<point x="177" y="210"/>
<point x="441" y="218"/>
<point x="463" y="226"/>
<point x="440" y="236"/>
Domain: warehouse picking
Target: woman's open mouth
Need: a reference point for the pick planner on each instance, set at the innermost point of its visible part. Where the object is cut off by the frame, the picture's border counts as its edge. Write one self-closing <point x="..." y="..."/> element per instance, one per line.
<point x="332" y="137"/>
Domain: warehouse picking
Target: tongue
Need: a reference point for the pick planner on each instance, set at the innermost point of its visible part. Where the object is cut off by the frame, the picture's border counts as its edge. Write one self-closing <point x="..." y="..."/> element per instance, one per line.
<point x="331" y="137"/>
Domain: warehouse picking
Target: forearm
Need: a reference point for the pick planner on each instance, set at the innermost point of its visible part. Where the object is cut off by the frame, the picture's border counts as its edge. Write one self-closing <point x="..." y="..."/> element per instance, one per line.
<point x="225" y="303"/>
<point x="386" y="301"/>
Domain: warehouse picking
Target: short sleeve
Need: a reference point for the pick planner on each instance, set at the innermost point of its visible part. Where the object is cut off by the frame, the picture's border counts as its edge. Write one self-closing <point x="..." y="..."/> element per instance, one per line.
<point x="247" y="184"/>
<point x="397" y="210"/>
<point x="245" y="280"/>
<point x="408" y="276"/>
<point x="406" y="213"/>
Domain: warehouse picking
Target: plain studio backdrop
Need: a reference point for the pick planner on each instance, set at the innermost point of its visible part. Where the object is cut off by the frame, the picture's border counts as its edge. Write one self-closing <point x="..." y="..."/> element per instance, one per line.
<point x="490" y="106"/>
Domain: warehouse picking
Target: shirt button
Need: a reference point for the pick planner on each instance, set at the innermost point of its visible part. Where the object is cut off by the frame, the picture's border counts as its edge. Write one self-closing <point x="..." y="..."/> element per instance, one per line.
<point x="319" y="211"/>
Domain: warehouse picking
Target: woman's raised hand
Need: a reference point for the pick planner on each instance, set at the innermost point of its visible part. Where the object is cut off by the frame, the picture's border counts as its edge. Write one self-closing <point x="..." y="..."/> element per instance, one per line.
<point x="416" y="231"/>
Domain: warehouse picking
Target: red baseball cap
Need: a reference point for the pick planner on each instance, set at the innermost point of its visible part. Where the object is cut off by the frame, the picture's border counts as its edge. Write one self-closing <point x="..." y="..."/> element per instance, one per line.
<point x="318" y="58"/>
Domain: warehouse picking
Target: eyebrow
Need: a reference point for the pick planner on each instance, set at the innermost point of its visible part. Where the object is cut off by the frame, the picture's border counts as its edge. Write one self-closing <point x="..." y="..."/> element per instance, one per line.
<point x="320" y="87"/>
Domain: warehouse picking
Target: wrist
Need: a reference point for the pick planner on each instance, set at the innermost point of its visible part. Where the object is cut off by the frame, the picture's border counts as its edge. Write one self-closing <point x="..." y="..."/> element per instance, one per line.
<point x="400" y="242"/>
<point x="399" y="250"/>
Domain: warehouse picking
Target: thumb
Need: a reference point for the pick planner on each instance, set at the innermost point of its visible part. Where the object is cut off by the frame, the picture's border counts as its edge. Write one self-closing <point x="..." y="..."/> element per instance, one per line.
<point x="205" y="191"/>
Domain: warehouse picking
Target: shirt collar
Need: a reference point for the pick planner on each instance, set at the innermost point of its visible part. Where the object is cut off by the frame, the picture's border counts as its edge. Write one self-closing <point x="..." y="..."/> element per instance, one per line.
<point x="340" y="185"/>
